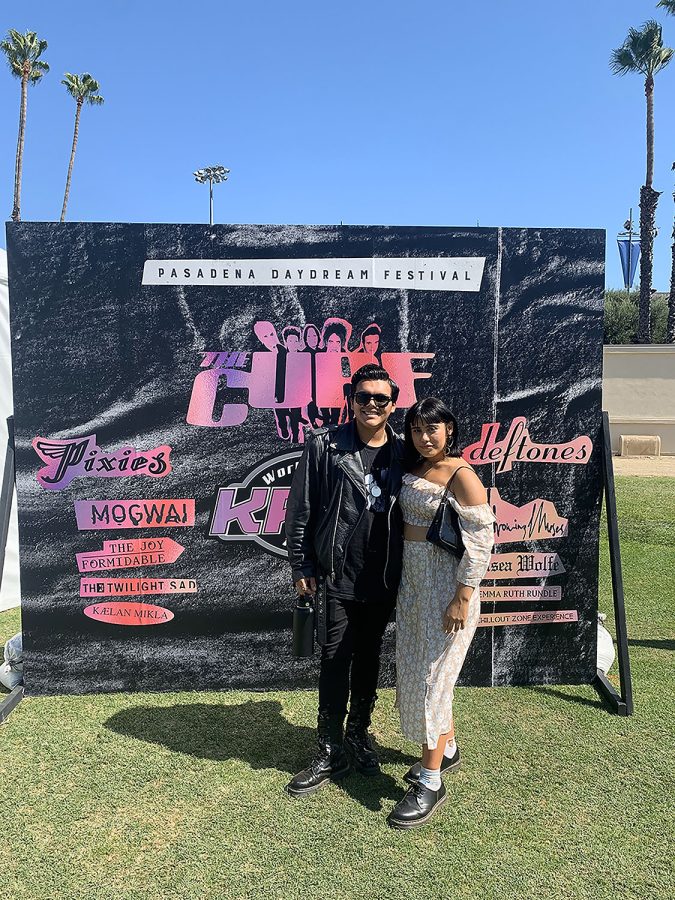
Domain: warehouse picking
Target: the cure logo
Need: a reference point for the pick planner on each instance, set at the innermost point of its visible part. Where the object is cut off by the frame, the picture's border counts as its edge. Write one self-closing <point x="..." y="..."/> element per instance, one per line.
<point x="255" y="509"/>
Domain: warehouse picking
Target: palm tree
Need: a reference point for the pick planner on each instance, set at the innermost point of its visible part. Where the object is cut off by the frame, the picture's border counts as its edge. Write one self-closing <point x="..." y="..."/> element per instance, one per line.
<point x="669" y="6"/>
<point x="83" y="89"/>
<point x="643" y="52"/>
<point x="23" y="52"/>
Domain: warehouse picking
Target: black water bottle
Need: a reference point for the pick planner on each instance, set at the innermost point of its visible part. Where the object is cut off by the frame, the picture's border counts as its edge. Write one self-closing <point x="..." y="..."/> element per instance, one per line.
<point x="303" y="626"/>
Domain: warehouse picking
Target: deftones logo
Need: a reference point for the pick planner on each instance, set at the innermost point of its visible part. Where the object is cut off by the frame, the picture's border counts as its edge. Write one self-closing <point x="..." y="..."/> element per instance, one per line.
<point x="518" y="446"/>
<point x="255" y="509"/>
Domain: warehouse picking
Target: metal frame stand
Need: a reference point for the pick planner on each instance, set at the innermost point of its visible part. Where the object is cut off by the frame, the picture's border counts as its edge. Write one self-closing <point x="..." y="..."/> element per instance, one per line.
<point x="15" y="697"/>
<point x="619" y="702"/>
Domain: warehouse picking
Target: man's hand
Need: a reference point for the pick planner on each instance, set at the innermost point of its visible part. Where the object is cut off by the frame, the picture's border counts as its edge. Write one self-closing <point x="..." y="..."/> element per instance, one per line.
<point x="458" y="609"/>
<point x="305" y="586"/>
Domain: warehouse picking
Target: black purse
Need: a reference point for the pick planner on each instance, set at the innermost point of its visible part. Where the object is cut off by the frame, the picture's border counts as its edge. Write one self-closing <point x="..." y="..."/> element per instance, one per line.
<point x="444" y="530"/>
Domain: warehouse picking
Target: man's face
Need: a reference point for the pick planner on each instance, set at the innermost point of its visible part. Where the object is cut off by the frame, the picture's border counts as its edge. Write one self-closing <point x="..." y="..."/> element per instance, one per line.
<point x="266" y="334"/>
<point x="292" y="343"/>
<point x="371" y="343"/>
<point x="378" y="406"/>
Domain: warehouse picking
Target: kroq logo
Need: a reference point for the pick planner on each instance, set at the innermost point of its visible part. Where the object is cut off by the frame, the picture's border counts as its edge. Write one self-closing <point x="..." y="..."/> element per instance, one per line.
<point x="255" y="508"/>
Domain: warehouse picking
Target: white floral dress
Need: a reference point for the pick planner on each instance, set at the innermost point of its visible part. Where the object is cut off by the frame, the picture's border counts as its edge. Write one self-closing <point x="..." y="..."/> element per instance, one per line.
<point x="428" y="661"/>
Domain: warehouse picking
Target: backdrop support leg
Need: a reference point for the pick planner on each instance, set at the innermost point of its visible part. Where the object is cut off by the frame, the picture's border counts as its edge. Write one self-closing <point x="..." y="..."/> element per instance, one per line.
<point x="14" y="698"/>
<point x="7" y="493"/>
<point x="10" y="702"/>
<point x="621" y="702"/>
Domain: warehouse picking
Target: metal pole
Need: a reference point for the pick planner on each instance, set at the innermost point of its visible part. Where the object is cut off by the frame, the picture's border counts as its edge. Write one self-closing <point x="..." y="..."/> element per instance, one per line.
<point x="210" y="201"/>
<point x="630" y="245"/>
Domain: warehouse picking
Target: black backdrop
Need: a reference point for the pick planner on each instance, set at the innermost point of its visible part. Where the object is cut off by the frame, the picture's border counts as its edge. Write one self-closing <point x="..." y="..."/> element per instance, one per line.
<point x="97" y="352"/>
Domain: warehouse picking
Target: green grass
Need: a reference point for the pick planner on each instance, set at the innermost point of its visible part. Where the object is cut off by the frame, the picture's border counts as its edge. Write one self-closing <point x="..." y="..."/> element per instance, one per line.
<point x="180" y="795"/>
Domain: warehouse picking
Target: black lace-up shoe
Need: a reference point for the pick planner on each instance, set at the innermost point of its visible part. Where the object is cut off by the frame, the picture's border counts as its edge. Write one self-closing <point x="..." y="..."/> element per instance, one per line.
<point x="330" y="762"/>
<point x="449" y="764"/>
<point x="417" y="807"/>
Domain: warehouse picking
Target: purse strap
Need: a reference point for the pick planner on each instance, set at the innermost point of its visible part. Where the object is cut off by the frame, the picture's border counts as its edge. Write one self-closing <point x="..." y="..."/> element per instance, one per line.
<point x="444" y="498"/>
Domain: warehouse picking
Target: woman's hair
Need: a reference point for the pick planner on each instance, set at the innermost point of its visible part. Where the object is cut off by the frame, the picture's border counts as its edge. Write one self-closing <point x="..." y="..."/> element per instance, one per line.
<point x="429" y="411"/>
<point x="305" y="331"/>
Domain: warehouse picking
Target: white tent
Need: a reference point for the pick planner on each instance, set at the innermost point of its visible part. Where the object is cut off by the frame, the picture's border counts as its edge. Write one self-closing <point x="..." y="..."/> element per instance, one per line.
<point x="10" y="593"/>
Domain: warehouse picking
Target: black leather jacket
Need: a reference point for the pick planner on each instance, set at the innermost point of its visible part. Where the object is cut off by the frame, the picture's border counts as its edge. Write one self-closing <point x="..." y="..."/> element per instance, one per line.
<point x="327" y="499"/>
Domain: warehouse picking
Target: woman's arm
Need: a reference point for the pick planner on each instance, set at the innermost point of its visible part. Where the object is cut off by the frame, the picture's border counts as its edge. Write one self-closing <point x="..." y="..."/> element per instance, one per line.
<point x="476" y="522"/>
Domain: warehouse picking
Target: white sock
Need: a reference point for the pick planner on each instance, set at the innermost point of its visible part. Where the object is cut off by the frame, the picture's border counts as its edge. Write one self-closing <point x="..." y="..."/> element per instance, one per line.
<point x="450" y="748"/>
<point x="430" y="778"/>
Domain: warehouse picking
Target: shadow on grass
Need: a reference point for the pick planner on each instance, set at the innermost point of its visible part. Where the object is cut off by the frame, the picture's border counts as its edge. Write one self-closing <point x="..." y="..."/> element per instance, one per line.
<point x="254" y="732"/>
<point x="655" y="645"/>
<point x="571" y="698"/>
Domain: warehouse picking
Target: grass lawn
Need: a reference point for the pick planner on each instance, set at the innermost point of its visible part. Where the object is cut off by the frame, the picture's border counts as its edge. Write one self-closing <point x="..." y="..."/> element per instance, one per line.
<point x="180" y="795"/>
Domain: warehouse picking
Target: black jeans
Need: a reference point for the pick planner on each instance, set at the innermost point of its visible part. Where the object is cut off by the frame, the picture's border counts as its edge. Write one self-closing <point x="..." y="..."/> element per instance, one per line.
<point x="350" y="658"/>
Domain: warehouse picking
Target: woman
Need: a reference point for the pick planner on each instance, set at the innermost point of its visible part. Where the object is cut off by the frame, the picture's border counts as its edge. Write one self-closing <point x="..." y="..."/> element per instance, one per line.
<point x="438" y="603"/>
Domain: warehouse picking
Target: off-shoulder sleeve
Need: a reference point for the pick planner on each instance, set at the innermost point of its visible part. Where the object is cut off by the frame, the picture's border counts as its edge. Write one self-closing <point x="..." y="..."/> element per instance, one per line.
<point x="477" y="526"/>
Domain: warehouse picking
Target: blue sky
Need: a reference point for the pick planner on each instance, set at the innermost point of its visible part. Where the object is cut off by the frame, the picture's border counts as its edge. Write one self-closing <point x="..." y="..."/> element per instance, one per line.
<point x="371" y="112"/>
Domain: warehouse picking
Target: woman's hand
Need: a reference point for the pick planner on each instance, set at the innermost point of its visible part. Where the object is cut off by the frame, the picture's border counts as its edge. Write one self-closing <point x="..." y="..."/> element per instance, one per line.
<point x="458" y="609"/>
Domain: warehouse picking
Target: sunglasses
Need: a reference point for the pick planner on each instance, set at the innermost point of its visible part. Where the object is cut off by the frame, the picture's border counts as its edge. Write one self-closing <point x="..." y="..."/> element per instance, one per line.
<point x="363" y="398"/>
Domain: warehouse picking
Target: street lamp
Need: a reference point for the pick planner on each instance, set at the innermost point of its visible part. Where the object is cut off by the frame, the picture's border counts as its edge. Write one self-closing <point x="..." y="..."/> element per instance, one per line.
<point x="214" y="175"/>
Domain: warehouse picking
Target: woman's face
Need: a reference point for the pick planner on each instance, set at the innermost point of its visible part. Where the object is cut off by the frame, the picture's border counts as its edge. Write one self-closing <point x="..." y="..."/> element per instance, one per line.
<point x="312" y="339"/>
<point x="430" y="440"/>
<point x="334" y="344"/>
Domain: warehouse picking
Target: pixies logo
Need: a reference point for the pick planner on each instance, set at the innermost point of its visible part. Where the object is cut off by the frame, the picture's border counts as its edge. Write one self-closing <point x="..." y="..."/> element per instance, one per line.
<point x="518" y="446"/>
<point x="68" y="459"/>
<point x="255" y="508"/>
<point x="303" y="373"/>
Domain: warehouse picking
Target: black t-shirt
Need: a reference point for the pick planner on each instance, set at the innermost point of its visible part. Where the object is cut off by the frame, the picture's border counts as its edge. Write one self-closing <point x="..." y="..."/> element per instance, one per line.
<point x="366" y="548"/>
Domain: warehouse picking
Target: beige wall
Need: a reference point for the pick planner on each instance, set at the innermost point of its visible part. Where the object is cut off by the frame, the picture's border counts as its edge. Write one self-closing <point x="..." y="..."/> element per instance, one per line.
<point x="638" y="392"/>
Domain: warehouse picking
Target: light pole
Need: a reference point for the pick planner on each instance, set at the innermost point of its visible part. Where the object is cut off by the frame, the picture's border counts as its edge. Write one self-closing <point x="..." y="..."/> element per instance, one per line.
<point x="214" y="175"/>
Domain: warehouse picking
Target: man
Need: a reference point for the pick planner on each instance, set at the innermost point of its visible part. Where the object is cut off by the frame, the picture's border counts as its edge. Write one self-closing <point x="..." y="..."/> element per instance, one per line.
<point x="344" y="539"/>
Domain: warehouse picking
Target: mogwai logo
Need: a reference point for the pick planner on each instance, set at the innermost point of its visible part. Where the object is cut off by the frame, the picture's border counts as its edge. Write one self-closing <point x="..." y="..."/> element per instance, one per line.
<point x="255" y="508"/>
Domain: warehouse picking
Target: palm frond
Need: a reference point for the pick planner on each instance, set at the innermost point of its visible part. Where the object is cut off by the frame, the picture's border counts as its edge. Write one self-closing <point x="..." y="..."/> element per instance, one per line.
<point x="622" y="61"/>
<point x="22" y="52"/>
<point x="82" y="87"/>
<point x="668" y="5"/>
<point x="642" y="51"/>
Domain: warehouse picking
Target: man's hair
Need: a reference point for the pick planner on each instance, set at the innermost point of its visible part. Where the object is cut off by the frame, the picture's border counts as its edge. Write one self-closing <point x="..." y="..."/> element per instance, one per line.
<point x="373" y="372"/>
<point x="292" y="329"/>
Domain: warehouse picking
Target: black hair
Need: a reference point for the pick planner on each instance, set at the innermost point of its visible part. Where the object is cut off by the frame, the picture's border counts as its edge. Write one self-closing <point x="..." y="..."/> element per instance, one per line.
<point x="292" y="329"/>
<point x="429" y="411"/>
<point x="335" y="328"/>
<point x="373" y="372"/>
<point x="310" y="327"/>
<point x="374" y="328"/>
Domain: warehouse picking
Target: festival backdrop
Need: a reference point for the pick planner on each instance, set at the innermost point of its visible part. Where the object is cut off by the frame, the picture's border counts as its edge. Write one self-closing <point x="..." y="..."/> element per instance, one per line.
<point x="164" y="376"/>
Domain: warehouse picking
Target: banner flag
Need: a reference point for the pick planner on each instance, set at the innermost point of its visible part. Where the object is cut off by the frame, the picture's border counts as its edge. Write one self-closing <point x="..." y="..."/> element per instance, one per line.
<point x="628" y="266"/>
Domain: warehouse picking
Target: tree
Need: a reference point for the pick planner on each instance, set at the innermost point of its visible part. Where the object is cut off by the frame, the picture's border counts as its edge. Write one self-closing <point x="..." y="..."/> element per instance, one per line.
<point x="23" y="52"/>
<point x="643" y="52"/>
<point x="669" y="6"/>
<point x="83" y="89"/>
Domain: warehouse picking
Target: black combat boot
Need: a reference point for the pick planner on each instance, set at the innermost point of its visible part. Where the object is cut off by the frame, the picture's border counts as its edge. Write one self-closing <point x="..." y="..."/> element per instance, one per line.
<point x="358" y="743"/>
<point x="330" y="762"/>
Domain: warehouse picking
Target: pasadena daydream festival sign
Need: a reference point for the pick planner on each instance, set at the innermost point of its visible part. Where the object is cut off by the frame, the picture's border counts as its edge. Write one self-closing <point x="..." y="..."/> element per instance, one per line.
<point x="164" y="377"/>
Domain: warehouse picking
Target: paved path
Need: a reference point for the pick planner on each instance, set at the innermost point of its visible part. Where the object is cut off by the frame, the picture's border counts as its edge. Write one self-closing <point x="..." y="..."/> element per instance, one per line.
<point x="649" y="466"/>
